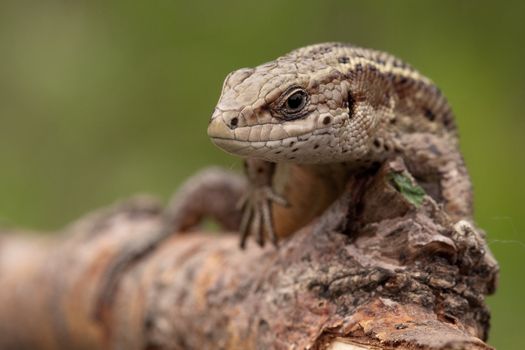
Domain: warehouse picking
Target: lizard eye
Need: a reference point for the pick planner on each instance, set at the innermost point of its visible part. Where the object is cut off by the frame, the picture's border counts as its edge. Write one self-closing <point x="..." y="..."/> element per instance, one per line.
<point x="295" y="102"/>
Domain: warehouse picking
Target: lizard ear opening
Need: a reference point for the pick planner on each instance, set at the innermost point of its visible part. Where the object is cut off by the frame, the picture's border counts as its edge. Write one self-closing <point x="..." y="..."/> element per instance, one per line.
<point x="350" y="104"/>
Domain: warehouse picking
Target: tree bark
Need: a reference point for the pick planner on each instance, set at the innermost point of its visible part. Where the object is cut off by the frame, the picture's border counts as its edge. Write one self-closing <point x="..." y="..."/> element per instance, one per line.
<point x="377" y="270"/>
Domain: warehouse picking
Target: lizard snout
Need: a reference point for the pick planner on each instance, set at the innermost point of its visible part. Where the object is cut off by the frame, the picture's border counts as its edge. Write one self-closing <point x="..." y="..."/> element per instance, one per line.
<point x="224" y="133"/>
<point x="221" y="129"/>
<point x="229" y="118"/>
<point x="222" y="125"/>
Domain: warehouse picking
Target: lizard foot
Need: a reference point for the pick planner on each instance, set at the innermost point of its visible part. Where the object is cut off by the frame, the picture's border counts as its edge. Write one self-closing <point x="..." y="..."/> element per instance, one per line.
<point x="257" y="217"/>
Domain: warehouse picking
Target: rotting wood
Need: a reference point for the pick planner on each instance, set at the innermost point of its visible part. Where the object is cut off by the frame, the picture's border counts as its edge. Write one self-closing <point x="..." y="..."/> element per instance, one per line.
<point x="374" y="272"/>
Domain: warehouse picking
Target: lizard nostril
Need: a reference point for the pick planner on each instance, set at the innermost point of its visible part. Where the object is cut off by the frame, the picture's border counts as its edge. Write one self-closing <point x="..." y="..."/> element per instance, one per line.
<point x="234" y="122"/>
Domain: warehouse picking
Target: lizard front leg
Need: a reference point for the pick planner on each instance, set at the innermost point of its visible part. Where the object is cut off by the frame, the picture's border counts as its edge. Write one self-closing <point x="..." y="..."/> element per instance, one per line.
<point x="212" y="193"/>
<point x="256" y="204"/>
<point x="284" y="197"/>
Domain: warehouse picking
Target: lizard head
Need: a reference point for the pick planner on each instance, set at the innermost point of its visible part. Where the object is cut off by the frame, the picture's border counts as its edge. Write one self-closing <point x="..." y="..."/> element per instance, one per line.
<point x="303" y="107"/>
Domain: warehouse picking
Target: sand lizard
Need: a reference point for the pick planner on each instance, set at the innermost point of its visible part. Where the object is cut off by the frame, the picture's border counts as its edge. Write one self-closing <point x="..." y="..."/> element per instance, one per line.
<point x="304" y="124"/>
<point x="309" y="119"/>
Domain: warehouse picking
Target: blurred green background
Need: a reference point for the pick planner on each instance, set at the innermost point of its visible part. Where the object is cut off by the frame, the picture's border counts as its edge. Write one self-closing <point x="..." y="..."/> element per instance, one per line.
<point x="103" y="99"/>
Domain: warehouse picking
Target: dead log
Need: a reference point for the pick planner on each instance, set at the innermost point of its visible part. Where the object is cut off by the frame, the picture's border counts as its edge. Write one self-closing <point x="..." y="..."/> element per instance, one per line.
<point x="379" y="270"/>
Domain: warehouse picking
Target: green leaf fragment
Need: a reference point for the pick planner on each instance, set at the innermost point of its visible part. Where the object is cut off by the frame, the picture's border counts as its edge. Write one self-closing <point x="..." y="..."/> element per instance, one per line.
<point x="413" y="193"/>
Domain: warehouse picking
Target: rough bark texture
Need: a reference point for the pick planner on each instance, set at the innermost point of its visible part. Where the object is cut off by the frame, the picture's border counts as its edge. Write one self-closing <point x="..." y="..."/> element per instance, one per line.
<point x="376" y="271"/>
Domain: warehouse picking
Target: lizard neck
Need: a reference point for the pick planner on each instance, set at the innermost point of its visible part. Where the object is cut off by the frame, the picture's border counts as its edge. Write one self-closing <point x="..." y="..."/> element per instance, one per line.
<point x="309" y="189"/>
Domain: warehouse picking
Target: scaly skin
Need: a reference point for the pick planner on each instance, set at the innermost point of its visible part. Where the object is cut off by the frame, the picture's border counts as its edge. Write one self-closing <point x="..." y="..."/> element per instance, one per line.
<point x="309" y="120"/>
<point x="355" y="108"/>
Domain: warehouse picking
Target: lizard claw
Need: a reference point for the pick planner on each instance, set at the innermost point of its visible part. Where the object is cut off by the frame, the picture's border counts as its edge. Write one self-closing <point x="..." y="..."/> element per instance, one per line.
<point x="257" y="215"/>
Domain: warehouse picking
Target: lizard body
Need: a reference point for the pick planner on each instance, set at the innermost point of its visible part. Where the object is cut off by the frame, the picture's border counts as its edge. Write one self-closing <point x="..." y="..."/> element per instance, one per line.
<point x="305" y="124"/>
<point x="309" y="120"/>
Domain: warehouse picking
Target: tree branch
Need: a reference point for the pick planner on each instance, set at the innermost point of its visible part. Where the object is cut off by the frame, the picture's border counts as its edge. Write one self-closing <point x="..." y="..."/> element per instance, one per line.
<point x="377" y="271"/>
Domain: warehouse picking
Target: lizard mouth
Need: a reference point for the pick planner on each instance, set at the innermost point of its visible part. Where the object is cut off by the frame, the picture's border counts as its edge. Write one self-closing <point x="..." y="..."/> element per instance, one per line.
<point x="235" y="147"/>
<point x="270" y="141"/>
<point x="260" y="133"/>
<point x="249" y="147"/>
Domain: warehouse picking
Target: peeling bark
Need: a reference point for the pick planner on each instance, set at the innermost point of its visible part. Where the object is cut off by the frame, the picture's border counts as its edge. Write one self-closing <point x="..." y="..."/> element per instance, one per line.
<point x="375" y="271"/>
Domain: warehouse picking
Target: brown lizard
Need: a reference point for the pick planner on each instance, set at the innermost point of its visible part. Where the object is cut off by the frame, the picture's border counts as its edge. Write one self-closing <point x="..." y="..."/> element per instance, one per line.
<point x="305" y="123"/>
<point x="310" y="119"/>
